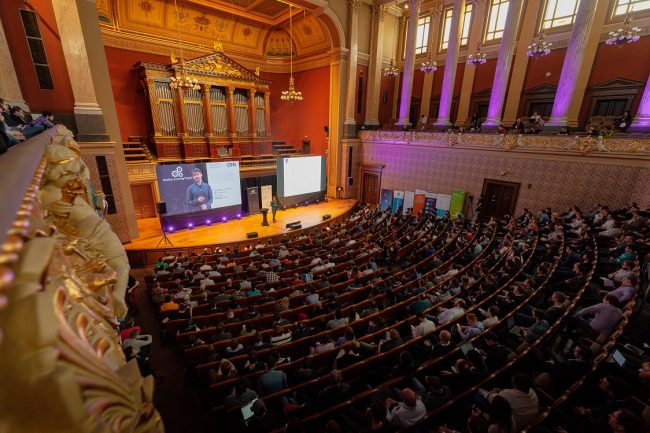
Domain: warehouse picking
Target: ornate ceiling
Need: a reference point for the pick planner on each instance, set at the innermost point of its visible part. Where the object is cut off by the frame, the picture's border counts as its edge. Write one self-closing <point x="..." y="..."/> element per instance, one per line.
<point x="248" y="28"/>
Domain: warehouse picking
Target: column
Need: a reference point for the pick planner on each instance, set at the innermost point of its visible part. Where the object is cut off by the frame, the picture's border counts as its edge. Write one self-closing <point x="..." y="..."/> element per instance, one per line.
<point x="94" y="108"/>
<point x="451" y="62"/>
<point x="502" y="73"/>
<point x="373" y="95"/>
<point x="9" y="87"/>
<point x="641" y="122"/>
<point x="575" y="53"/>
<point x="520" y="65"/>
<point x="349" y="126"/>
<point x="467" y="85"/>
<point x="396" y="81"/>
<point x="207" y="117"/>
<point x="409" y="64"/>
<point x="336" y="114"/>
<point x="267" y="113"/>
<point x="252" y="125"/>
<point x="230" y="108"/>
<point x="427" y="85"/>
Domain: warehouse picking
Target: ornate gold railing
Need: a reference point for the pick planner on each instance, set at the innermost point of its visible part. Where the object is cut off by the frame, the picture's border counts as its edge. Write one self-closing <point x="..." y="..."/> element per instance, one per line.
<point x="63" y="273"/>
<point x="639" y="146"/>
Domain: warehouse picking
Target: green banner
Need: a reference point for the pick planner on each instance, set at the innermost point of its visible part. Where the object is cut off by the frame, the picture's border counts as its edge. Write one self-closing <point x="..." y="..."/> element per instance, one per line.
<point x="457" y="203"/>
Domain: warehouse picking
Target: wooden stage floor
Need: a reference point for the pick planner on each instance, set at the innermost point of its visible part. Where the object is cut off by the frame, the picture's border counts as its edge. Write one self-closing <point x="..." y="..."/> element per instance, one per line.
<point x="235" y="230"/>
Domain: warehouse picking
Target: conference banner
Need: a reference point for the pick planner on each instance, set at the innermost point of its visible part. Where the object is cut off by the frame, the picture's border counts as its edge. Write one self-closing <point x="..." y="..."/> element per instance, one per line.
<point x="253" y="197"/>
<point x="386" y="200"/>
<point x="267" y="196"/>
<point x="430" y="202"/>
<point x="457" y="203"/>
<point x="418" y="201"/>
<point x="443" y="201"/>
<point x="409" y="197"/>
<point x="398" y="200"/>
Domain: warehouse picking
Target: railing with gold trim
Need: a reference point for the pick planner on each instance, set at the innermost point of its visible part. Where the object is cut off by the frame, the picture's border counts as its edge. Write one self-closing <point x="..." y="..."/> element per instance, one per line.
<point x="63" y="274"/>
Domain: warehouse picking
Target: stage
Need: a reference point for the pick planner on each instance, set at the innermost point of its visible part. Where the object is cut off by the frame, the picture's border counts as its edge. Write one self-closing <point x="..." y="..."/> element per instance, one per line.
<point x="235" y="230"/>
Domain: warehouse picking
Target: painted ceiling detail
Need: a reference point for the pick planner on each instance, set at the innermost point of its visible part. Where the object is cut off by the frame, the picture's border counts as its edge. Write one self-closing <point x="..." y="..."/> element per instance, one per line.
<point x="246" y="27"/>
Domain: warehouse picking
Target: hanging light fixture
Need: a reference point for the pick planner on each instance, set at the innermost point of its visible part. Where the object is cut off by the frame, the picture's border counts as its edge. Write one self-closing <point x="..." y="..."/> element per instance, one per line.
<point x="478" y="58"/>
<point x="291" y="94"/>
<point x="181" y="80"/>
<point x="429" y="65"/>
<point x="391" y="71"/>
<point x="540" y="47"/>
<point x="625" y="35"/>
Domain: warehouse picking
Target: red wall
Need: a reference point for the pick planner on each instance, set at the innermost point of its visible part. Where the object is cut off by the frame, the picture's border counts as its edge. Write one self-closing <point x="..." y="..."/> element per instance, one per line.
<point x="484" y="76"/>
<point x="59" y="100"/>
<point x="292" y="122"/>
<point x="130" y="101"/>
<point x="418" y="84"/>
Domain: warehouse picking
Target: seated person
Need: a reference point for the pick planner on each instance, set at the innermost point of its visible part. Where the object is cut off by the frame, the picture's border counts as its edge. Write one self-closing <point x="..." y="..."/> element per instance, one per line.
<point x="406" y="413"/>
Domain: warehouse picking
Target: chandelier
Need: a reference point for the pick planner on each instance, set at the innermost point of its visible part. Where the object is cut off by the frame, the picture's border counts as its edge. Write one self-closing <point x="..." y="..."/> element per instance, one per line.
<point x="540" y="47"/>
<point x="391" y="70"/>
<point x="428" y="65"/>
<point x="182" y="79"/>
<point x="291" y="94"/>
<point x="478" y="58"/>
<point x="625" y="35"/>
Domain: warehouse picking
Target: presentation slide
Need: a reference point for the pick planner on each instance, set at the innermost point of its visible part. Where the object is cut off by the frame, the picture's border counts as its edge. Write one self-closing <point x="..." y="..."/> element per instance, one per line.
<point x="188" y="188"/>
<point x="301" y="175"/>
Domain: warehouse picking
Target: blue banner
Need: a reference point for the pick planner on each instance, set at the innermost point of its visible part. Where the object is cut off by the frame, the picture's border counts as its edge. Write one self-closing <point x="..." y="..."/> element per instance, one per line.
<point x="386" y="200"/>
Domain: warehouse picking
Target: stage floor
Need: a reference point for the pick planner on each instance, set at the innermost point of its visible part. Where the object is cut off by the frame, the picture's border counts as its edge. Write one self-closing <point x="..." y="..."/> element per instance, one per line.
<point x="235" y="230"/>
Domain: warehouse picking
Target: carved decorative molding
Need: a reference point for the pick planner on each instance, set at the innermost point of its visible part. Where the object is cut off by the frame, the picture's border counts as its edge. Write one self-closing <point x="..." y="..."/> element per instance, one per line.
<point x="378" y="11"/>
<point x="64" y="272"/>
<point x="637" y="147"/>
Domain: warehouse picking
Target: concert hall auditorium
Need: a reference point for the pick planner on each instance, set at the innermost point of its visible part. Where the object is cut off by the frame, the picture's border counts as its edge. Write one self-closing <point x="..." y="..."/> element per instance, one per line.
<point x="325" y="216"/>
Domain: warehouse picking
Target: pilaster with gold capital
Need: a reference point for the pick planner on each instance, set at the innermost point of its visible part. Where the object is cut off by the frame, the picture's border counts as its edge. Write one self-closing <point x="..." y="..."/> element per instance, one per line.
<point x="378" y="13"/>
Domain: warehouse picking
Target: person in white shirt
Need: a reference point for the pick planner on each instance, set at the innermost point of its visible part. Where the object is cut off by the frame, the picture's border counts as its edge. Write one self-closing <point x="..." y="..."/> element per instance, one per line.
<point x="492" y="316"/>
<point x="137" y="341"/>
<point x="214" y="273"/>
<point x="522" y="398"/>
<point x="407" y="413"/>
<point x="449" y="314"/>
<point x="424" y="326"/>
<point x="205" y="267"/>
<point x="206" y="282"/>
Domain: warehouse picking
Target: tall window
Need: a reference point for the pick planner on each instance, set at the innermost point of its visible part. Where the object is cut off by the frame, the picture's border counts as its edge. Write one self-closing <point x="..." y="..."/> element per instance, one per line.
<point x="624" y="7"/>
<point x="422" y="36"/>
<point x="496" y="19"/>
<point x="446" y="24"/>
<point x="558" y="13"/>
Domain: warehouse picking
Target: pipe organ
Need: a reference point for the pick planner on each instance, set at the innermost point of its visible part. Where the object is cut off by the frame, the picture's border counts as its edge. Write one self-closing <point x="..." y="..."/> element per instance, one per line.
<point x="228" y="115"/>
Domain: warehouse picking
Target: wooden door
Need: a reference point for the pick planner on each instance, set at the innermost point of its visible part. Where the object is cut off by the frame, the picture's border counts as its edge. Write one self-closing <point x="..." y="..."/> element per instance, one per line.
<point x="370" y="188"/>
<point x="143" y="200"/>
<point x="499" y="198"/>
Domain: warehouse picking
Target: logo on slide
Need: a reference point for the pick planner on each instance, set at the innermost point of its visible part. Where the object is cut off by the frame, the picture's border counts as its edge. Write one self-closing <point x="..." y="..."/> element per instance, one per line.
<point x="178" y="172"/>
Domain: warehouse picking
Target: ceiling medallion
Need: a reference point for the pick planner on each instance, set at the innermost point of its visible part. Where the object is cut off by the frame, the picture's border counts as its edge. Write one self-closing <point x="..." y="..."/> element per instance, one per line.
<point x="146" y="7"/>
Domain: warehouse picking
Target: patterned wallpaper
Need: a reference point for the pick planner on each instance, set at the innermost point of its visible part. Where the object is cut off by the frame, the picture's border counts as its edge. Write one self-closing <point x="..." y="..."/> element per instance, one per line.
<point x="117" y="221"/>
<point x="553" y="182"/>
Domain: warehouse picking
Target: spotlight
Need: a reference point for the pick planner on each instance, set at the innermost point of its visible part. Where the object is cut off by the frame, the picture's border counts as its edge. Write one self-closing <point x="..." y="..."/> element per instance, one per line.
<point x="170" y="228"/>
<point x="208" y="222"/>
<point x="224" y="219"/>
<point x="190" y="225"/>
<point x="238" y="215"/>
<point x="317" y="201"/>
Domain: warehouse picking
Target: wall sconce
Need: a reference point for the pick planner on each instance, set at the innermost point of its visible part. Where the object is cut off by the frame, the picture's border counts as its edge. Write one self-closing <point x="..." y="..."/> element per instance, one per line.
<point x="548" y="75"/>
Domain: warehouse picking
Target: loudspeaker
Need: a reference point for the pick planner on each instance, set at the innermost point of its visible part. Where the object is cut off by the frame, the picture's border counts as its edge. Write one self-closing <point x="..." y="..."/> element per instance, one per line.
<point x="294" y="225"/>
<point x="326" y="129"/>
<point x="350" y="181"/>
<point x="251" y="235"/>
<point x="326" y="217"/>
<point x="161" y="207"/>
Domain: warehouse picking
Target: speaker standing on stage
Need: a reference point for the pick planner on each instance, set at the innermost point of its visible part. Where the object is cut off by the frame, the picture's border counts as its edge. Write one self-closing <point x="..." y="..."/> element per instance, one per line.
<point x="274" y="206"/>
<point x="199" y="194"/>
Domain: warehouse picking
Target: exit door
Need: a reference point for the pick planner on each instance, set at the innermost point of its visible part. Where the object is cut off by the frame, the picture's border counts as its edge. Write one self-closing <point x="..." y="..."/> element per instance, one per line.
<point x="499" y="198"/>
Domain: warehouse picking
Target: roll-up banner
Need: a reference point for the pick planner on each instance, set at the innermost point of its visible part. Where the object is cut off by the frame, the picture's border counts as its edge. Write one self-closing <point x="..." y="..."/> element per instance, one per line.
<point x="253" y="196"/>
<point x="418" y="201"/>
<point x="430" y="202"/>
<point x="267" y="196"/>
<point x="457" y="203"/>
<point x="386" y="199"/>
<point x="398" y="200"/>
<point x="409" y="197"/>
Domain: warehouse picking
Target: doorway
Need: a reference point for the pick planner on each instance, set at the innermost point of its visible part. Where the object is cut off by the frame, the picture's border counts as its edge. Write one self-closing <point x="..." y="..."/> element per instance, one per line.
<point x="370" y="183"/>
<point x="499" y="198"/>
<point x="143" y="200"/>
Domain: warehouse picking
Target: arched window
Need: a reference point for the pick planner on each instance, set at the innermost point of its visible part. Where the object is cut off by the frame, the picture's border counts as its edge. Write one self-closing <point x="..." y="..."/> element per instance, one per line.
<point x="559" y="13"/>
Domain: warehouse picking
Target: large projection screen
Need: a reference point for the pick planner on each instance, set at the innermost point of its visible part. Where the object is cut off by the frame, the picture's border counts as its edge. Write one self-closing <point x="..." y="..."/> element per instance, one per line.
<point x="200" y="193"/>
<point x="301" y="175"/>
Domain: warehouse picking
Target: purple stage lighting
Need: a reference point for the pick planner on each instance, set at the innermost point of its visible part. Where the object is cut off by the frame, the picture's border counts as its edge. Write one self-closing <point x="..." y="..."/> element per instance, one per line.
<point x="190" y="225"/>
<point x="224" y="219"/>
<point x="170" y="228"/>
<point x="238" y="215"/>
<point x="208" y="222"/>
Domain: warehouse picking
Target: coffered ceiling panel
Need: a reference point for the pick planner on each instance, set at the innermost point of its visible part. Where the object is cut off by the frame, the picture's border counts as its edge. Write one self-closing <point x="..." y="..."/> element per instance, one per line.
<point x="247" y="27"/>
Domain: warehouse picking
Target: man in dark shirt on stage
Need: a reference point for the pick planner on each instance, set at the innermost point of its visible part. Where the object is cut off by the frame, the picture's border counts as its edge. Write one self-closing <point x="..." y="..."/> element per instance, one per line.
<point x="199" y="194"/>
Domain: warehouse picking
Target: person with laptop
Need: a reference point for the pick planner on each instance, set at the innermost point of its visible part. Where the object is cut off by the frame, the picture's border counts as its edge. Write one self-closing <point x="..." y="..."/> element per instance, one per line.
<point x="263" y="420"/>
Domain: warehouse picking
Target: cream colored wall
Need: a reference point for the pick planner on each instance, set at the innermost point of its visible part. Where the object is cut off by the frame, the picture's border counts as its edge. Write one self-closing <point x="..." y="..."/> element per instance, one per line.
<point x="391" y="38"/>
<point x="364" y="29"/>
<point x="340" y="9"/>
